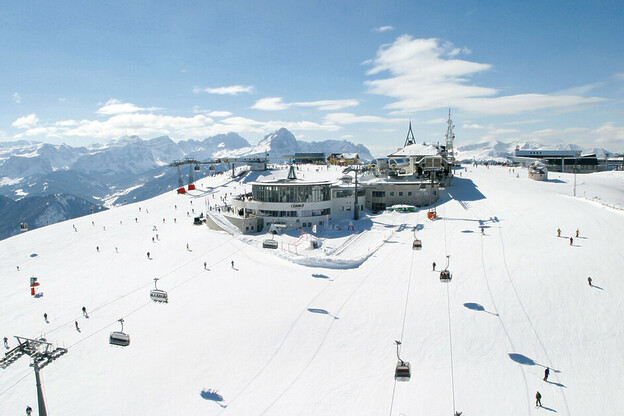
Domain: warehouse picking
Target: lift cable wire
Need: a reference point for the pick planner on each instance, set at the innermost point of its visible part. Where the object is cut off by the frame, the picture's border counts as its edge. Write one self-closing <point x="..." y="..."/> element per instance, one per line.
<point x="150" y="302"/>
<point x="409" y="281"/>
<point x="142" y="287"/>
<point x="448" y="304"/>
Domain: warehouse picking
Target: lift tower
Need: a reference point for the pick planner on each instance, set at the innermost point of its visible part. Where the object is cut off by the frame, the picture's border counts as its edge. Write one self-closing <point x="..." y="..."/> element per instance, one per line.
<point x="42" y="354"/>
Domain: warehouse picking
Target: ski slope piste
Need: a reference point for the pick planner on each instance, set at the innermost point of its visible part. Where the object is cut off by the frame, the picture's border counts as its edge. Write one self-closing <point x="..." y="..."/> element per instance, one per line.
<point x="254" y="331"/>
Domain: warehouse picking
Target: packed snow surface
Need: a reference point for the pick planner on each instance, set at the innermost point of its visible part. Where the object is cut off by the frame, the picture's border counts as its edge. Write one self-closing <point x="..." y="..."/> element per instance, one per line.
<point x="303" y="331"/>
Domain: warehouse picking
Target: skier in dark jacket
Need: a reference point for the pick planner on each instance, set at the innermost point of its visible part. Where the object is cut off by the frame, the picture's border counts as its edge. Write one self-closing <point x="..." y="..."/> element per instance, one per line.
<point x="589" y="280"/>
<point x="538" y="399"/>
<point x="434" y="266"/>
<point x="28" y="410"/>
<point x="546" y="373"/>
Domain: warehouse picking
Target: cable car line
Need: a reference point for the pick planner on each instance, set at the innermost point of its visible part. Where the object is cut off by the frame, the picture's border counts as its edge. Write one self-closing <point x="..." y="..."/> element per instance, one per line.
<point x="409" y="281"/>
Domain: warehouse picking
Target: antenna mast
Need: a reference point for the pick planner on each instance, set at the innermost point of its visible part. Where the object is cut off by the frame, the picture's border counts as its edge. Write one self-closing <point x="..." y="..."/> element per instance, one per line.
<point x="450" y="138"/>
<point x="410" y="136"/>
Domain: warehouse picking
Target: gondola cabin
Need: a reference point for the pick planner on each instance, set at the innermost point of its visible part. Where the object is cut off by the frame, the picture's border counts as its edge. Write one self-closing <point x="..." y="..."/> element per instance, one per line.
<point x="158" y="295"/>
<point x="119" y="338"/>
<point x="445" y="276"/>
<point x="24" y="226"/>
<point x="402" y="371"/>
<point x="196" y="168"/>
<point x="417" y="245"/>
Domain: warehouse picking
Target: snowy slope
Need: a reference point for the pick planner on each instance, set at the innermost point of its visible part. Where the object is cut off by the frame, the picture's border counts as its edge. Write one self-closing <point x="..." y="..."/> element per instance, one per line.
<point x="273" y="336"/>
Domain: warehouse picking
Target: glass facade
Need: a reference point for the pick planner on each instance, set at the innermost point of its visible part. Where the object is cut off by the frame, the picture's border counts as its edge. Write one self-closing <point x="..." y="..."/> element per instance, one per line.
<point x="289" y="193"/>
<point x="302" y="213"/>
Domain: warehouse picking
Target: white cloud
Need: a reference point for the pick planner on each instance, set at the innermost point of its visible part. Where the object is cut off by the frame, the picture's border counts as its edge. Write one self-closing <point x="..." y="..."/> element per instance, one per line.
<point x="350" y="118"/>
<point x="277" y="104"/>
<point x="219" y="114"/>
<point x="17" y="98"/>
<point x="619" y="75"/>
<point x="229" y="90"/>
<point x="383" y="29"/>
<point x="473" y="126"/>
<point x="270" y="104"/>
<point x="424" y="75"/>
<point x="26" y="122"/>
<point x="114" y="106"/>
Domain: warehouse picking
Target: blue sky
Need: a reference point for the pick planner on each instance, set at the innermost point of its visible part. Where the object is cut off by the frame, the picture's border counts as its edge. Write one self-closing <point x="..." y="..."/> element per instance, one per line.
<point x="84" y="72"/>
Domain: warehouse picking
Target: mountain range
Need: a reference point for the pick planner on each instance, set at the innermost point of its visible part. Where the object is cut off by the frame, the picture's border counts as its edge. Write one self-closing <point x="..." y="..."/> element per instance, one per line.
<point x="35" y="176"/>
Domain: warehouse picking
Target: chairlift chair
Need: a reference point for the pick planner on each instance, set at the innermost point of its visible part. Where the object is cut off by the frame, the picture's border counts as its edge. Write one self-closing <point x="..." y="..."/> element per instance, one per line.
<point x="403" y="369"/>
<point x="432" y="214"/>
<point x="158" y="295"/>
<point x="270" y="244"/>
<point x="445" y="275"/>
<point x="119" y="337"/>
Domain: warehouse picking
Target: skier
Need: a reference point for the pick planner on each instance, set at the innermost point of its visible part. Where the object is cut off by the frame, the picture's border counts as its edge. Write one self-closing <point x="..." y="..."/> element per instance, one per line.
<point x="434" y="266"/>
<point x="116" y="251"/>
<point x="77" y="327"/>
<point x="84" y="311"/>
<point x="538" y="399"/>
<point x="97" y="248"/>
<point x="6" y="342"/>
<point x="589" y="280"/>
<point x="18" y="268"/>
<point x="558" y="232"/>
<point x="28" y="410"/>
<point x="571" y="240"/>
<point x="232" y="263"/>
<point x="577" y="233"/>
<point x="45" y="316"/>
<point x="148" y="256"/>
<point x="152" y="239"/>
<point x="546" y="373"/>
<point x="187" y="246"/>
<point x="205" y="265"/>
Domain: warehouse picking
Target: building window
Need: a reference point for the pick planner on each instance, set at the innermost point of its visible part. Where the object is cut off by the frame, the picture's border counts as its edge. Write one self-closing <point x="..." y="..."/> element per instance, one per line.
<point x="379" y="194"/>
<point x="409" y="193"/>
<point x="391" y="193"/>
<point x="400" y="193"/>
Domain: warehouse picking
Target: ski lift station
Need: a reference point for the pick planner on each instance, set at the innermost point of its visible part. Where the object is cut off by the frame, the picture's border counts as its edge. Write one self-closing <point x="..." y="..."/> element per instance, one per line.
<point x="297" y="203"/>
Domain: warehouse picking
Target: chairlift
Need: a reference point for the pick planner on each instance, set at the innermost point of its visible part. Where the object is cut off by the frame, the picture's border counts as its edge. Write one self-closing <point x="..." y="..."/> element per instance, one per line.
<point x="119" y="337"/>
<point x="417" y="245"/>
<point x="158" y="295"/>
<point x="196" y="168"/>
<point x="445" y="275"/>
<point x="432" y="214"/>
<point x="211" y="167"/>
<point x="403" y="369"/>
<point x="269" y="244"/>
<point x="24" y="226"/>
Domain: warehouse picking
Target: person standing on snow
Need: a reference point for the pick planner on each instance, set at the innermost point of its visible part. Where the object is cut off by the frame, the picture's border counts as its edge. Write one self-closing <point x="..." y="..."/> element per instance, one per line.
<point x="28" y="410"/>
<point x="538" y="399"/>
<point x="546" y="373"/>
<point x="77" y="327"/>
<point x="434" y="266"/>
<point x="45" y="316"/>
<point x="558" y="232"/>
<point x="232" y="263"/>
<point x="6" y="342"/>
<point x="84" y="311"/>
<point x="577" y="233"/>
<point x="571" y="240"/>
<point x="589" y="280"/>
